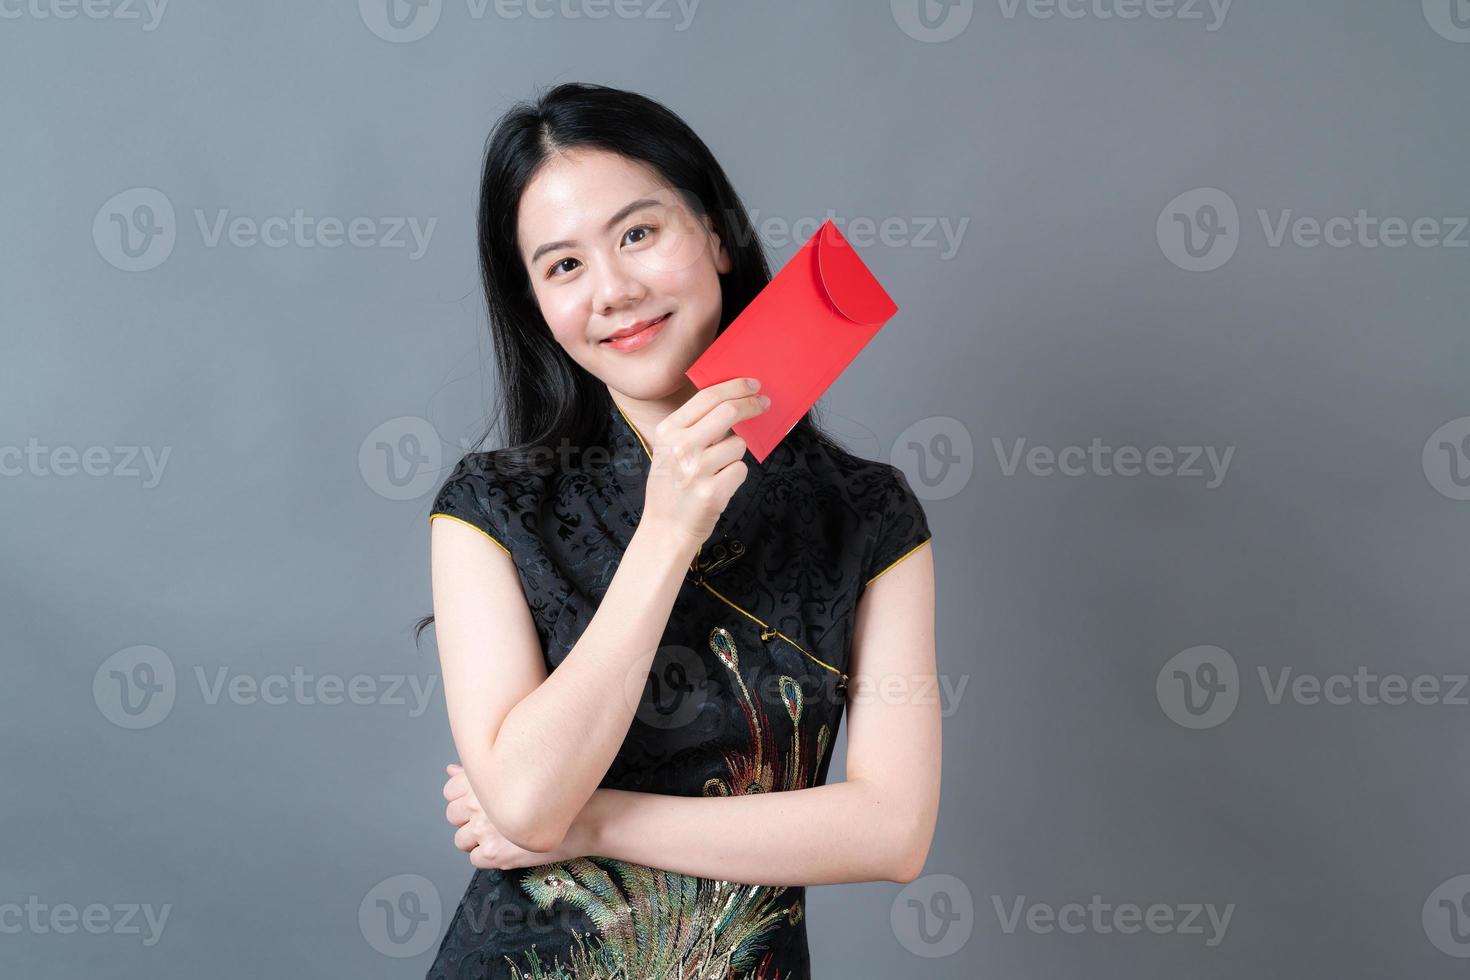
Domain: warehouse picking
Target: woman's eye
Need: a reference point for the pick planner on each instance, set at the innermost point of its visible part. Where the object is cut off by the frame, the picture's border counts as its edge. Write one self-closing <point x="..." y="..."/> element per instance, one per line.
<point x="558" y="265"/>
<point x="647" y="228"/>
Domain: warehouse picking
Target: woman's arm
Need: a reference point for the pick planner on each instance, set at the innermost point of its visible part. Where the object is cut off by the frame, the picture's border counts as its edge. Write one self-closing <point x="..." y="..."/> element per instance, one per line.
<point x="535" y="746"/>
<point x="877" y="825"/>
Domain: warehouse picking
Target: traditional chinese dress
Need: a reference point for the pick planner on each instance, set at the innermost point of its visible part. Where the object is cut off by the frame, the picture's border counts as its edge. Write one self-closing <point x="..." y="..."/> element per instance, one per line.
<point x="745" y="695"/>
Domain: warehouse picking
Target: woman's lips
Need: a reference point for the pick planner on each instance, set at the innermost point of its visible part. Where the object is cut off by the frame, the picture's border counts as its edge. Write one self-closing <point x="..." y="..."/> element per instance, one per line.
<point x="634" y="341"/>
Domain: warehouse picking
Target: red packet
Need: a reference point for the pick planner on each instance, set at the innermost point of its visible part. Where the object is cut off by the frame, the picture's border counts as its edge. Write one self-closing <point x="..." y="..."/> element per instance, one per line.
<point x="798" y="335"/>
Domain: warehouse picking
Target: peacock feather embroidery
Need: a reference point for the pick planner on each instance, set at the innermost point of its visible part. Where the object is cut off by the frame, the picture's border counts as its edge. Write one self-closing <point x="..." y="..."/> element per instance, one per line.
<point x="651" y="923"/>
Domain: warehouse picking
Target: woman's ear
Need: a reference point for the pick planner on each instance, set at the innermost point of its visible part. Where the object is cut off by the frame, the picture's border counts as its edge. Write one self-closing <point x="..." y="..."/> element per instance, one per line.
<point x="723" y="263"/>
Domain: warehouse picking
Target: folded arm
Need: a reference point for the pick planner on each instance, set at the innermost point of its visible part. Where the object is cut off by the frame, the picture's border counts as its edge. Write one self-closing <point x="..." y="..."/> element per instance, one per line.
<point x="877" y="825"/>
<point x="535" y="746"/>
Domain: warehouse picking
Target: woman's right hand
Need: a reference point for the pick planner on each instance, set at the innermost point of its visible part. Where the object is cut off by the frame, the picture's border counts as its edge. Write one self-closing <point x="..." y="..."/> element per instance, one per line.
<point x="697" y="460"/>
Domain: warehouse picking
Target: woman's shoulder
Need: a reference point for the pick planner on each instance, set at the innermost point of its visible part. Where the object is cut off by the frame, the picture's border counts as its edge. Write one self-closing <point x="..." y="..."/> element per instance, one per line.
<point x="486" y="491"/>
<point x="860" y="480"/>
<point x="887" y="514"/>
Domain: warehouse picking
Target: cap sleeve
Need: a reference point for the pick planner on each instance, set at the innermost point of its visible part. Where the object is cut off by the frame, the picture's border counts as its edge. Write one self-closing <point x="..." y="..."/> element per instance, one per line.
<point x="901" y="523"/>
<point x="473" y="495"/>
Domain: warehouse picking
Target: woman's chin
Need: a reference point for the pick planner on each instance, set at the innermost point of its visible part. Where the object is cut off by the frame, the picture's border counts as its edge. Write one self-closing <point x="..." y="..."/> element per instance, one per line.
<point x="652" y="381"/>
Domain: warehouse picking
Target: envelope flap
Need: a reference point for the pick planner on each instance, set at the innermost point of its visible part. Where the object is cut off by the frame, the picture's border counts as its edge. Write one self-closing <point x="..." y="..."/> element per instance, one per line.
<point x="851" y="288"/>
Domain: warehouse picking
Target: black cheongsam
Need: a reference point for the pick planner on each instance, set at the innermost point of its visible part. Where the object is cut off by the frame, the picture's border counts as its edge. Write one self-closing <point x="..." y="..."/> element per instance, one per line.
<point x="745" y="695"/>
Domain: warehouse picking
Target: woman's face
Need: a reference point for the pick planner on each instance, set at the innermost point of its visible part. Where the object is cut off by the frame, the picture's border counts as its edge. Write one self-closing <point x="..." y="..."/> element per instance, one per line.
<point x="609" y="245"/>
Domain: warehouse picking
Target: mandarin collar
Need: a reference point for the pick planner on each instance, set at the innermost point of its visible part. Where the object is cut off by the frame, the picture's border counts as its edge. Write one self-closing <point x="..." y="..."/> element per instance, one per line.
<point x="631" y="456"/>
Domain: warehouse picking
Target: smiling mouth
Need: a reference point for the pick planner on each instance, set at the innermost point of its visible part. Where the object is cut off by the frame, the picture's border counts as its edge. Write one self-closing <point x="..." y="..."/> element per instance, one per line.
<point x="626" y="338"/>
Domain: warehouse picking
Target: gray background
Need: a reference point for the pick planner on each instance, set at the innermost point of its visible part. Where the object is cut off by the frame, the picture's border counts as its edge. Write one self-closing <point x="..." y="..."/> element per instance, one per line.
<point x="277" y="538"/>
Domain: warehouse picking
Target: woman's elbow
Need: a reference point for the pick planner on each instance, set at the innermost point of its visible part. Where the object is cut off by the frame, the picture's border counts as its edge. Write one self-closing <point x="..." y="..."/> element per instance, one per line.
<point x="517" y="810"/>
<point x="913" y="853"/>
<point x="538" y="838"/>
<point x="529" y="826"/>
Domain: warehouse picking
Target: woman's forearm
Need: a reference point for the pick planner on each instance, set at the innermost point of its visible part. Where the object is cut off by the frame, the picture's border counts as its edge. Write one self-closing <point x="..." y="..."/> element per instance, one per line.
<point x="832" y="834"/>
<point x="555" y="745"/>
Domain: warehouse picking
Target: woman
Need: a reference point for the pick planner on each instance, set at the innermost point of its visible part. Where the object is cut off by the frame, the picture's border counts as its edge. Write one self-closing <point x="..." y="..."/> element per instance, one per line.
<point x="647" y="638"/>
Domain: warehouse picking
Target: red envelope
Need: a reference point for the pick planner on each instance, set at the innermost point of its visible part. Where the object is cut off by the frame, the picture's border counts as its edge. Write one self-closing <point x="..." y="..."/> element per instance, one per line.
<point x="798" y="335"/>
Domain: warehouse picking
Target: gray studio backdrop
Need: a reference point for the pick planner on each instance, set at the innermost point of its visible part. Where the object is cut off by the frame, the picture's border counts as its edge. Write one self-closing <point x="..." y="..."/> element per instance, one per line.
<point x="1180" y="371"/>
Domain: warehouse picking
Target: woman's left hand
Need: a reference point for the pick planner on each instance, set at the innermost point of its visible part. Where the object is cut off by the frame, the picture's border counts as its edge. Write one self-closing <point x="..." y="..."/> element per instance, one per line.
<point x="476" y="835"/>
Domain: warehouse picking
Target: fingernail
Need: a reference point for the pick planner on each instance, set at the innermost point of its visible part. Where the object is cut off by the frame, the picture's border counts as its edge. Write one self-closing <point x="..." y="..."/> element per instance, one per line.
<point x="765" y="402"/>
<point x="752" y="383"/>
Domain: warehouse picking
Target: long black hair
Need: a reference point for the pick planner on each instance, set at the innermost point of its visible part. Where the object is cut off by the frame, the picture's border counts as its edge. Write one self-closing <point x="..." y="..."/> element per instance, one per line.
<point x="546" y="398"/>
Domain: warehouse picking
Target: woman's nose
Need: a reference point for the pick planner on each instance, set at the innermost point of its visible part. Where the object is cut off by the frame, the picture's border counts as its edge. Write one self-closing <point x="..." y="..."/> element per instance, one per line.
<point x="617" y="287"/>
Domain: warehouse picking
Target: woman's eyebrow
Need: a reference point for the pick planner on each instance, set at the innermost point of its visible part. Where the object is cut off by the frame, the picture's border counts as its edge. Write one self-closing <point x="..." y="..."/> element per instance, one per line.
<point x="622" y="213"/>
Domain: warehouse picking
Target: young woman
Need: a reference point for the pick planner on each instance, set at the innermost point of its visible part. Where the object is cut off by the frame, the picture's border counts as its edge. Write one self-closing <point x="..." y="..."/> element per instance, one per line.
<point x="647" y="638"/>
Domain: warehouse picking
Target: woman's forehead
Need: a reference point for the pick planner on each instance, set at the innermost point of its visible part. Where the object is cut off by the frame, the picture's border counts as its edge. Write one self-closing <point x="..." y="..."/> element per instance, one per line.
<point x="585" y="187"/>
